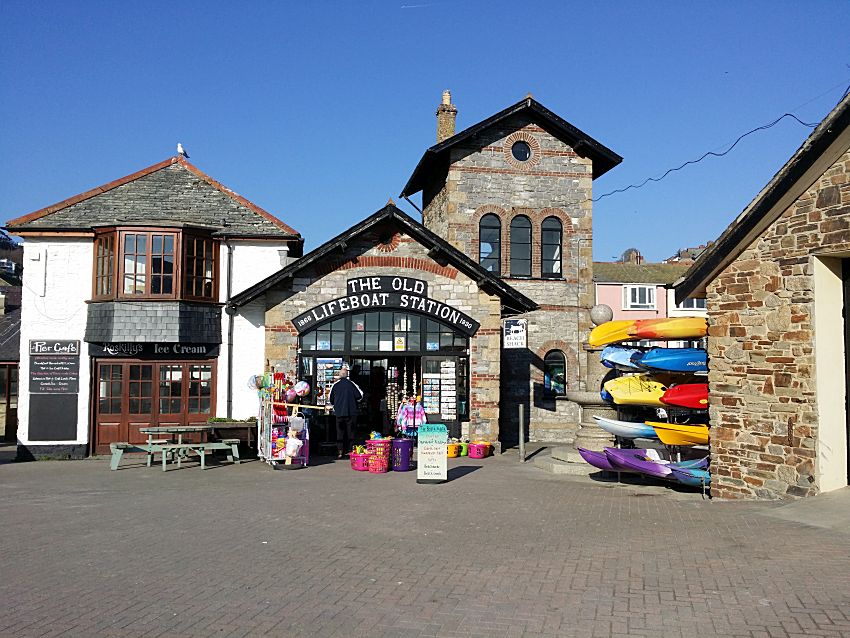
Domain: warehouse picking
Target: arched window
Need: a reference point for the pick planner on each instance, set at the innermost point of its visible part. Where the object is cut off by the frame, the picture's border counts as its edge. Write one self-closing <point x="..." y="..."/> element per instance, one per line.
<point x="555" y="373"/>
<point x="520" y="246"/>
<point x="490" y="243"/>
<point x="551" y="237"/>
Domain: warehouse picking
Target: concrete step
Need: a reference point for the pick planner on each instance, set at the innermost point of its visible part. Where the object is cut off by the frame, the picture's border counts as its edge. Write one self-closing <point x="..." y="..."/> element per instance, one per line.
<point x="554" y="466"/>
<point x="567" y="453"/>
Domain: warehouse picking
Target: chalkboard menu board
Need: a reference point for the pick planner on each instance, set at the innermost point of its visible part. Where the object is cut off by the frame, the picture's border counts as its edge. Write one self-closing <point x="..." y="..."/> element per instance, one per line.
<point x="54" y="385"/>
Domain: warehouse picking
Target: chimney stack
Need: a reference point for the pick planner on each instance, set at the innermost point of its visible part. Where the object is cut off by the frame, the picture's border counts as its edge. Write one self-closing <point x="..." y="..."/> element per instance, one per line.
<point x="446" y="114"/>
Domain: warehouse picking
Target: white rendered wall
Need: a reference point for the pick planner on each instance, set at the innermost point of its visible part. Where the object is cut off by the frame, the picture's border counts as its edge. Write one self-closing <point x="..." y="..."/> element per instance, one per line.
<point x="56" y="283"/>
<point x="831" y="470"/>
<point x="253" y="261"/>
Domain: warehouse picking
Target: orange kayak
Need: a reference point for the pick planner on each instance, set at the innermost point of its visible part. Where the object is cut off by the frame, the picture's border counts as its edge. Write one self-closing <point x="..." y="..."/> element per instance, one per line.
<point x="658" y="329"/>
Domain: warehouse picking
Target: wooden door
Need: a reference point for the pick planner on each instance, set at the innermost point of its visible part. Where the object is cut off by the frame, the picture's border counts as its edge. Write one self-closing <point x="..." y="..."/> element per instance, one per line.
<point x="110" y="424"/>
<point x="140" y="400"/>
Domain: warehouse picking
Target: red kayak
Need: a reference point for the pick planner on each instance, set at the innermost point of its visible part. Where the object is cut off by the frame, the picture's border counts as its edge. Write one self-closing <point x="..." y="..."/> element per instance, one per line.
<point x="687" y="395"/>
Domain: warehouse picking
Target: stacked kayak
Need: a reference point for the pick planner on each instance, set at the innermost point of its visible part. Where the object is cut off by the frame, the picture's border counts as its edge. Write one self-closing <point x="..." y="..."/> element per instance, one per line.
<point x="680" y="433"/>
<point x="667" y="379"/>
<point x="648" y="329"/>
<point x="636" y="389"/>
<point x="640" y="461"/>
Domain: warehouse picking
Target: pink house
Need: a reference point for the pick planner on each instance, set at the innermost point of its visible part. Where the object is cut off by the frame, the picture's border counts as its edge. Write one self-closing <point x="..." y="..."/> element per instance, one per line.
<point x="640" y="291"/>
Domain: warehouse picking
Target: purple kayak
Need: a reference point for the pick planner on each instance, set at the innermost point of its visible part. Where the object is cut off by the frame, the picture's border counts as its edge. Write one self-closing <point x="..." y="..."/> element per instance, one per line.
<point x="597" y="459"/>
<point x="636" y="461"/>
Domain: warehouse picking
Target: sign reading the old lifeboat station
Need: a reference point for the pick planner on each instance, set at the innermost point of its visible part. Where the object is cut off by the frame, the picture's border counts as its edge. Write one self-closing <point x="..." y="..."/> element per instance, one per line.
<point x="378" y="293"/>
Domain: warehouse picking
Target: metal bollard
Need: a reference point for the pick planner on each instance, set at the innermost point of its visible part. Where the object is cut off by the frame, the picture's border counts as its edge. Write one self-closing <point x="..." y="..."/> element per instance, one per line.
<point x="521" y="433"/>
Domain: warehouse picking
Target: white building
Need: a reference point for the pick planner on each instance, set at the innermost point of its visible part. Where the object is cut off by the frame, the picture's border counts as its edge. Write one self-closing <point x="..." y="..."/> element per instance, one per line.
<point x="121" y="322"/>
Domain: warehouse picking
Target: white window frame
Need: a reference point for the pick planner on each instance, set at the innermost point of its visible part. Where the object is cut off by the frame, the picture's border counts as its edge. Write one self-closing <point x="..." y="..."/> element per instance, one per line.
<point x="634" y="291"/>
<point x="693" y="304"/>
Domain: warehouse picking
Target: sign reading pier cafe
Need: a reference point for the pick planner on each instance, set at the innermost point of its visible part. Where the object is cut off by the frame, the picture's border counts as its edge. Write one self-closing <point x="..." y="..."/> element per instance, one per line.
<point x="372" y="293"/>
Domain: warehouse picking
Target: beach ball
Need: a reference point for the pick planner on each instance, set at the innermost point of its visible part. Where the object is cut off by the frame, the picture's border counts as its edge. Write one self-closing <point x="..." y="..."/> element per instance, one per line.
<point x="302" y="388"/>
<point x="290" y="395"/>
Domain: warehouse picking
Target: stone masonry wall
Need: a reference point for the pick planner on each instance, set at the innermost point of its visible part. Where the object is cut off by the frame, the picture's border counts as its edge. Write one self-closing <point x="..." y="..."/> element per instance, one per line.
<point x="764" y="422"/>
<point x="402" y="256"/>
<point x="484" y="178"/>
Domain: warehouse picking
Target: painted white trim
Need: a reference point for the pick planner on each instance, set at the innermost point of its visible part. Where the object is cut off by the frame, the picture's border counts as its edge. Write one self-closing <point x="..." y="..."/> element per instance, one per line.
<point x="830" y="383"/>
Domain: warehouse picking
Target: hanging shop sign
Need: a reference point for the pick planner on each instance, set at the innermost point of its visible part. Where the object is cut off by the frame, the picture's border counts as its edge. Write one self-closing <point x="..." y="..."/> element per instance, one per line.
<point x="515" y="333"/>
<point x="54" y="385"/>
<point x="372" y="300"/>
<point x="431" y="463"/>
<point x="164" y="350"/>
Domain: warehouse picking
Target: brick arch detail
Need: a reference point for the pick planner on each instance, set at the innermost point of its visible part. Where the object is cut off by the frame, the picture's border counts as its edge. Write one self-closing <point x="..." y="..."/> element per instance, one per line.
<point x="385" y="261"/>
<point x="533" y="144"/>
<point x="570" y="356"/>
<point x="488" y="209"/>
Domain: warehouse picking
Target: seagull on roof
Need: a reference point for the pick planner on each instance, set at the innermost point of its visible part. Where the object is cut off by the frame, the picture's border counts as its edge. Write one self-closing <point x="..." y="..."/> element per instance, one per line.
<point x="182" y="151"/>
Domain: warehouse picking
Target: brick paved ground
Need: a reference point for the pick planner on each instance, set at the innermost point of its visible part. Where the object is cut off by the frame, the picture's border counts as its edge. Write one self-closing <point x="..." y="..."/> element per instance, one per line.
<point x="502" y="550"/>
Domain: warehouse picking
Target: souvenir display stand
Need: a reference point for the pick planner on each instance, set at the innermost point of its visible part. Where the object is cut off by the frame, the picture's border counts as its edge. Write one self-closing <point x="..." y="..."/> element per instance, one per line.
<point x="283" y="429"/>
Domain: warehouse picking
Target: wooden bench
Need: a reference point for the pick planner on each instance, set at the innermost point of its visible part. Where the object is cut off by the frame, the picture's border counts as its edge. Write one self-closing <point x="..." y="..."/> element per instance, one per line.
<point x="182" y="450"/>
<point x="149" y="448"/>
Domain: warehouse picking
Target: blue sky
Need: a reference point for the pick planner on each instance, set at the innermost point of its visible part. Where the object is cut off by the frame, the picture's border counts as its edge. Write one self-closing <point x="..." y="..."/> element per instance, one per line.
<point x="319" y="111"/>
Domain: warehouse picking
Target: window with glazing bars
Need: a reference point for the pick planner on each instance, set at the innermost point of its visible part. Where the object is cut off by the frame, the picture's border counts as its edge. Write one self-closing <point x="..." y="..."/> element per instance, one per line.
<point x="520" y="246"/>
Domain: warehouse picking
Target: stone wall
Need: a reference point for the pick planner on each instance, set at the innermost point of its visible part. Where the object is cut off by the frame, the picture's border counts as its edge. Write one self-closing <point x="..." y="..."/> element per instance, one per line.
<point x="484" y="178"/>
<point x="764" y="416"/>
<point x="401" y="256"/>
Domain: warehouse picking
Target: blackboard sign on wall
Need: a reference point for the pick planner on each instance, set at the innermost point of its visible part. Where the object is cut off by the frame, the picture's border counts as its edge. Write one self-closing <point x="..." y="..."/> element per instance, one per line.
<point x="54" y="385"/>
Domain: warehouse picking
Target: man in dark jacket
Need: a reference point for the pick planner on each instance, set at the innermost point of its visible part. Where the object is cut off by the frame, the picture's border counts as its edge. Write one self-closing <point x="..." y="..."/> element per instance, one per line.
<point x="344" y="397"/>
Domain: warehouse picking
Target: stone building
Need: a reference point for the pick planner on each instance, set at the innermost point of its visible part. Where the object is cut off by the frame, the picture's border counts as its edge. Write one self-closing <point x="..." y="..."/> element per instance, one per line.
<point x="777" y="282"/>
<point x="404" y="309"/>
<point x="121" y="322"/>
<point x="514" y="192"/>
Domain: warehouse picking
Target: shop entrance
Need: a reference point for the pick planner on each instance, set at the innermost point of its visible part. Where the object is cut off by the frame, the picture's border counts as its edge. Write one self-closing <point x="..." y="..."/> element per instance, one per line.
<point x="391" y="355"/>
<point x="134" y="394"/>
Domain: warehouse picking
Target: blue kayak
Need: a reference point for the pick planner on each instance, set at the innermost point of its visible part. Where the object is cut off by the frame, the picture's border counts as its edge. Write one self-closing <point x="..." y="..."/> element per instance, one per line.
<point x="695" y="477"/>
<point x="673" y="359"/>
<point x="621" y="357"/>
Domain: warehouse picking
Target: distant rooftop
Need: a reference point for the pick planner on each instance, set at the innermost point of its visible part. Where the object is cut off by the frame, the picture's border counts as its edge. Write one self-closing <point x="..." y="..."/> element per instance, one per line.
<point x="630" y="273"/>
<point x="688" y="254"/>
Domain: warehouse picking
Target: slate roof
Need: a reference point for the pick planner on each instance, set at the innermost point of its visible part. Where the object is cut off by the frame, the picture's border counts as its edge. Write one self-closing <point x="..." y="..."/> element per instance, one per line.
<point x="436" y="158"/>
<point x="438" y="247"/>
<point x="10" y="335"/>
<point x="619" y="273"/>
<point x="809" y="162"/>
<point x="170" y="193"/>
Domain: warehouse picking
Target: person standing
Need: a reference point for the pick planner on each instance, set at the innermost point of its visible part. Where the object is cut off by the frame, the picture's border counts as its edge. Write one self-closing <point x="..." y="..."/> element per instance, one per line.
<point x="344" y="397"/>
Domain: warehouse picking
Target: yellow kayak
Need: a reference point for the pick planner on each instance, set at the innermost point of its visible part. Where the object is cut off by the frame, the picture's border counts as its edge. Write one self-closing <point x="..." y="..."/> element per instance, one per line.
<point x="670" y="328"/>
<point x="680" y="433"/>
<point x="636" y="389"/>
<point x="656" y="329"/>
<point x="610" y="332"/>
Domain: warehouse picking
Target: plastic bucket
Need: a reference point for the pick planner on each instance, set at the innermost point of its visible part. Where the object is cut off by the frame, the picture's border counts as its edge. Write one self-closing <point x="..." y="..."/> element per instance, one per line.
<point x="464" y="449"/>
<point x="359" y="462"/>
<point x="402" y="454"/>
<point x="453" y="450"/>
<point x="478" y="450"/>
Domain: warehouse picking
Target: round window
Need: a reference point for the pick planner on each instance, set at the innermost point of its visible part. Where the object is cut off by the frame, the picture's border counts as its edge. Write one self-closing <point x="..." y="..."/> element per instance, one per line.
<point x="521" y="151"/>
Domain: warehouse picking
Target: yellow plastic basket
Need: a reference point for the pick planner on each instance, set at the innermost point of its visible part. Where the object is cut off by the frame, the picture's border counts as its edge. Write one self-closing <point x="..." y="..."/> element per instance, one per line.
<point x="453" y="450"/>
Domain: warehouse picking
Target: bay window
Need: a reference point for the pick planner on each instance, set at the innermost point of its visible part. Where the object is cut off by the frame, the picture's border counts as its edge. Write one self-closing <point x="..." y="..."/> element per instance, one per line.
<point x="143" y="264"/>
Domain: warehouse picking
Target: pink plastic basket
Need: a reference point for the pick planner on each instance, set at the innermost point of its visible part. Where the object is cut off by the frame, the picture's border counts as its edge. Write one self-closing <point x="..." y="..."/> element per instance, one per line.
<point x="380" y="447"/>
<point x="479" y="450"/>
<point x="359" y="462"/>
<point x="378" y="464"/>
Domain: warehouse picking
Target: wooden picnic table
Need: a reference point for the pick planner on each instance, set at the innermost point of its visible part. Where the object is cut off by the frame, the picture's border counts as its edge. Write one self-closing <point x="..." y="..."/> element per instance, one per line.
<point x="182" y="450"/>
